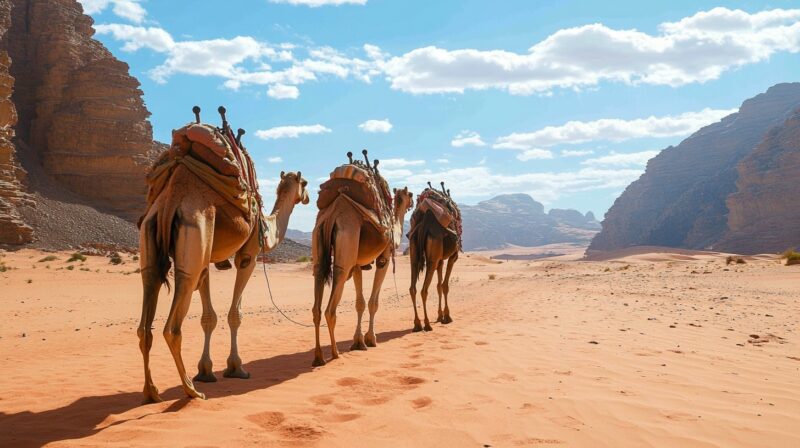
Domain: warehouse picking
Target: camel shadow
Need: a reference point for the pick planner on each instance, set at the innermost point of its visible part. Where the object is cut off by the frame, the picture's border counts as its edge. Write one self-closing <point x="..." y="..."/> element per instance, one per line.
<point x="83" y="417"/>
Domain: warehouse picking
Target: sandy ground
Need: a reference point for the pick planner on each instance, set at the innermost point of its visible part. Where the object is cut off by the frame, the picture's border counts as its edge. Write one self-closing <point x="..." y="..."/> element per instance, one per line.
<point x="647" y="350"/>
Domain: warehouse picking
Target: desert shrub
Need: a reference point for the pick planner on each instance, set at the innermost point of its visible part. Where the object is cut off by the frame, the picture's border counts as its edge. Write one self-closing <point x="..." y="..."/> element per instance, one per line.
<point x="734" y="260"/>
<point x="77" y="256"/>
<point x="3" y="267"/>
<point x="70" y="267"/>
<point x="115" y="258"/>
<point x="303" y="259"/>
<point x="791" y="256"/>
<point x="492" y="276"/>
<point x="48" y="258"/>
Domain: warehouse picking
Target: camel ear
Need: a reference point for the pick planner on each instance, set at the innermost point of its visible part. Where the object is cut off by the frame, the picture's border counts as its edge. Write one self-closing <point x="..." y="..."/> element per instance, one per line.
<point x="394" y="190"/>
<point x="405" y="189"/>
<point x="299" y="175"/>
<point x="283" y="175"/>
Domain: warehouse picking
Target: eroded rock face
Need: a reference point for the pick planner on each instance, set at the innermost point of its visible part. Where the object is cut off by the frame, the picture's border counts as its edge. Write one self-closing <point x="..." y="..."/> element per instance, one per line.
<point x="680" y="199"/>
<point x="12" y="195"/>
<point x="765" y="210"/>
<point x="79" y="109"/>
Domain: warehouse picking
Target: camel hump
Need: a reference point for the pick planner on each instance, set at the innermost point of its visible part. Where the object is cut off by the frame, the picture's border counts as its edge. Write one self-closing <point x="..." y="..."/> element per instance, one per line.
<point x="364" y="186"/>
<point x="358" y="191"/>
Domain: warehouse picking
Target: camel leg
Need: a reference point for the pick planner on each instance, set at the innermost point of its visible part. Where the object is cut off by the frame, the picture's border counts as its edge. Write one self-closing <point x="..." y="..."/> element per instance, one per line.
<point x="246" y="260"/>
<point x="380" y="274"/>
<point x="412" y="291"/>
<point x="339" y="279"/>
<point x="361" y="305"/>
<point x="439" y="289"/>
<point x="205" y="372"/>
<point x="319" y="289"/>
<point x="425" y="285"/>
<point x="446" y="288"/>
<point x="151" y="286"/>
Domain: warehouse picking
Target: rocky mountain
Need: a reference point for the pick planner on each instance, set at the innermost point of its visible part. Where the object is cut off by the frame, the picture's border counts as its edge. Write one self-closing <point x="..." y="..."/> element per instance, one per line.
<point x="75" y="117"/>
<point x="764" y="212"/>
<point x="680" y="200"/>
<point x="517" y="219"/>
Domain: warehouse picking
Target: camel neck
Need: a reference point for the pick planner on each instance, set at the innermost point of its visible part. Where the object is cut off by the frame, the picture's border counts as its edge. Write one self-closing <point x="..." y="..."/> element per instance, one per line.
<point x="281" y="213"/>
<point x="397" y="226"/>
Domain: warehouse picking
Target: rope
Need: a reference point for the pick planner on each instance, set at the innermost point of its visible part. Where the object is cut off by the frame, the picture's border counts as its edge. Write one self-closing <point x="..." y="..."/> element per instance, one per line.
<point x="271" y="299"/>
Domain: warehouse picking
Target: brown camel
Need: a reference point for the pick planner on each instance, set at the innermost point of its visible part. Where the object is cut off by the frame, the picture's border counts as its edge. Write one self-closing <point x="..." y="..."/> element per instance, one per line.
<point x="347" y="237"/>
<point x="193" y="224"/>
<point x="430" y="244"/>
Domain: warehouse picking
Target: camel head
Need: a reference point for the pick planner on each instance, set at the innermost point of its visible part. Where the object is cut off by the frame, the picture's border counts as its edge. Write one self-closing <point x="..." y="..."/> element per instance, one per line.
<point x="403" y="199"/>
<point x="293" y="184"/>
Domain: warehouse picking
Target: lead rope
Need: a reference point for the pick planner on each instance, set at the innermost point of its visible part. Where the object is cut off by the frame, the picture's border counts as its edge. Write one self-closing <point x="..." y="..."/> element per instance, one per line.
<point x="271" y="299"/>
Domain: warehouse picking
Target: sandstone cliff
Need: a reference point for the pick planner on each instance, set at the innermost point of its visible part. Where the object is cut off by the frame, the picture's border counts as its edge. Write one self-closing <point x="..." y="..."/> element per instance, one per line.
<point x="765" y="210"/>
<point x="80" y="112"/>
<point x="12" y="228"/>
<point x="517" y="219"/>
<point x="680" y="199"/>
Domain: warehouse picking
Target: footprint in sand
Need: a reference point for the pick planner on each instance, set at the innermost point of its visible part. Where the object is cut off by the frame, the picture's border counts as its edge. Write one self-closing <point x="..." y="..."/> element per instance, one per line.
<point x="408" y="381"/>
<point x="349" y="382"/>
<point x="341" y="418"/>
<point x="267" y="420"/>
<point x="300" y="432"/>
<point x="422" y="402"/>
<point x="322" y="399"/>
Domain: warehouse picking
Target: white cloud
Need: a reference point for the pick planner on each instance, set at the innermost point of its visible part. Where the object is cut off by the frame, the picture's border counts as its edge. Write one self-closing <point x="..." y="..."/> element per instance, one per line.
<point x="131" y="10"/>
<point x="535" y="154"/>
<point x="465" y="138"/>
<point x="275" y="160"/>
<point x="576" y="152"/>
<point x="612" y="129"/>
<point x="137" y="37"/>
<point x="318" y="3"/>
<point x="622" y="159"/>
<point x="694" y="49"/>
<point x="399" y="163"/>
<point x="443" y="161"/>
<point x="376" y="126"/>
<point x="291" y="131"/>
<point x="481" y="181"/>
<point x="283" y="92"/>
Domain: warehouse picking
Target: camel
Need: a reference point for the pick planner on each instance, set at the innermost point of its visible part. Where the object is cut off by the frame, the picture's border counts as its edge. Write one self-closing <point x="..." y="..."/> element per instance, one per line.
<point x="196" y="226"/>
<point x="347" y="237"/>
<point x="430" y="244"/>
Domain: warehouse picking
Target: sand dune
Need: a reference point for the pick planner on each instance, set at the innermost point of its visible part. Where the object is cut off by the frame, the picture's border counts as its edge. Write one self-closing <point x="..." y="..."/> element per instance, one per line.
<point x="655" y="350"/>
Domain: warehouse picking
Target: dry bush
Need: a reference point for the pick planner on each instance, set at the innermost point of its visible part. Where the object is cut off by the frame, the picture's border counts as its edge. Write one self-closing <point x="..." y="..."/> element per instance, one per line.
<point x="734" y="260"/>
<point x="791" y="256"/>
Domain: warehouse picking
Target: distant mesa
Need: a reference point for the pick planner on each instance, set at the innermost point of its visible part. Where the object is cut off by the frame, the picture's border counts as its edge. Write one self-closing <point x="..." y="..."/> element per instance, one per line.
<point x="730" y="186"/>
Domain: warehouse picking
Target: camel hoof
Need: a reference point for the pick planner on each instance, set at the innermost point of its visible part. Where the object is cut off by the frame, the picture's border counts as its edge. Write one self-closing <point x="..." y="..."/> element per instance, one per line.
<point x="360" y="345"/>
<point x="236" y="373"/>
<point x="151" y="395"/>
<point x="205" y="377"/>
<point x="447" y="320"/>
<point x="417" y="327"/>
<point x="370" y="340"/>
<point x="318" y="362"/>
<point x="428" y="327"/>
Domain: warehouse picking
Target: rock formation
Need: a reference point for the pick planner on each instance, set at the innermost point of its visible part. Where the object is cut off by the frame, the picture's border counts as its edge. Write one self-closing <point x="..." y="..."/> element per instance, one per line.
<point x="12" y="228"/>
<point x="517" y="219"/>
<point x="680" y="199"/>
<point x="79" y="109"/>
<point x="765" y="210"/>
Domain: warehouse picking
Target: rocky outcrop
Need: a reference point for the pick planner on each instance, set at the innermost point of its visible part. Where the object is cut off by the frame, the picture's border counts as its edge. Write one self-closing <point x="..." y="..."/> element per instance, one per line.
<point x="79" y="109"/>
<point x="680" y="200"/>
<point x="765" y="210"/>
<point x="517" y="219"/>
<point x="12" y="228"/>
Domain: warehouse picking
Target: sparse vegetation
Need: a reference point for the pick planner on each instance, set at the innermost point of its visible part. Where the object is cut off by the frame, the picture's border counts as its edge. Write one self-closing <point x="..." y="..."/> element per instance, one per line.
<point x="3" y="267"/>
<point x="48" y="258"/>
<point x="303" y="259"/>
<point x="29" y="281"/>
<point x="791" y="256"/>
<point x="115" y="258"/>
<point x="492" y="276"/>
<point x="70" y="267"/>
<point x="734" y="260"/>
<point x="77" y="256"/>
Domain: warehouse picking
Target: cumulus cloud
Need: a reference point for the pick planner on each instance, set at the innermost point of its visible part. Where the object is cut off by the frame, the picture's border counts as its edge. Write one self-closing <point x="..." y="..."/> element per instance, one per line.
<point x="376" y="126"/>
<point x="283" y="92"/>
<point x="291" y="131"/>
<point x="137" y="37"/>
<point x="275" y="159"/>
<point x="612" y="129"/>
<point x="318" y="3"/>
<point x="467" y="138"/>
<point x="694" y="49"/>
<point x="535" y="154"/>
<point x="576" y="152"/>
<point x="622" y="159"/>
<point x="131" y="10"/>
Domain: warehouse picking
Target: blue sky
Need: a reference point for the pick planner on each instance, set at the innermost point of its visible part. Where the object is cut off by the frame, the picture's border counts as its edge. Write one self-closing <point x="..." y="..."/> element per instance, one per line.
<point x="563" y="100"/>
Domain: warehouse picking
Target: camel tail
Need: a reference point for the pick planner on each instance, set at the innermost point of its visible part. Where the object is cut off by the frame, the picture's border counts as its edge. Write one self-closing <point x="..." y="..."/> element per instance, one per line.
<point x="420" y="236"/>
<point x="164" y="230"/>
<point x="322" y="245"/>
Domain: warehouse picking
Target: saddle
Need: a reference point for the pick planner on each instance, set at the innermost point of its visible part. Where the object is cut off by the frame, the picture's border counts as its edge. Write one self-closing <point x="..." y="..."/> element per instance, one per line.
<point x="364" y="188"/>
<point x="442" y="207"/>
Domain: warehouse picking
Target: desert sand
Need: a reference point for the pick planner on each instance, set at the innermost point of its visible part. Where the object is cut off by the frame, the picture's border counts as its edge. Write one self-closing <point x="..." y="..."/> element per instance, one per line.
<point x="648" y="349"/>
